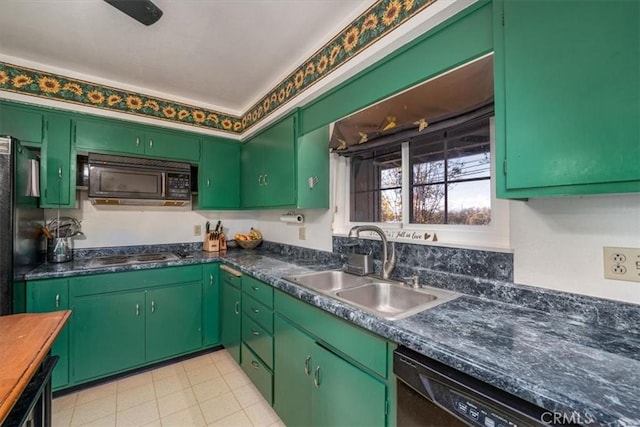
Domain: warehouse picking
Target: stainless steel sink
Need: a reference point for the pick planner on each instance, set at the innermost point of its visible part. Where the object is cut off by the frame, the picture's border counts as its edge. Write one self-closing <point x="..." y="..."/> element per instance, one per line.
<point x="385" y="298"/>
<point x="394" y="301"/>
<point x="331" y="280"/>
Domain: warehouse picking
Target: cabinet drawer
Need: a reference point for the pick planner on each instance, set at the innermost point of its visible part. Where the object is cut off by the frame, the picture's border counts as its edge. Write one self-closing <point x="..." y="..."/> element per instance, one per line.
<point x="360" y="345"/>
<point x="259" y="374"/>
<point x="262" y="315"/>
<point x="258" y="290"/>
<point x="259" y="340"/>
<point x="130" y="280"/>
<point x="231" y="279"/>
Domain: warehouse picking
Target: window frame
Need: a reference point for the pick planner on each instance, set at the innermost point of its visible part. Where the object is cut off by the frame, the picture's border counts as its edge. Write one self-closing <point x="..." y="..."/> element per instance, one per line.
<point x="492" y="236"/>
<point x="447" y="151"/>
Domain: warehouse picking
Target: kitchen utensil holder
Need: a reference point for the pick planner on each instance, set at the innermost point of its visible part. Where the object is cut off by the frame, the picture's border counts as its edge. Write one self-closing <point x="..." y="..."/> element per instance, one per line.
<point x="213" y="243"/>
<point x="59" y="249"/>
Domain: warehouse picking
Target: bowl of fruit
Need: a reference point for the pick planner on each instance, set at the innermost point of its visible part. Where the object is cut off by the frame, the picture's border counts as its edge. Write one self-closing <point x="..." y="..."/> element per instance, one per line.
<point x="251" y="240"/>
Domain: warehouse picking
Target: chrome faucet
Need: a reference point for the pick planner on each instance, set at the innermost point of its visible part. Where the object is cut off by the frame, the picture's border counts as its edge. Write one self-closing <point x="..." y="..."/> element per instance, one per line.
<point x="388" y="264"/>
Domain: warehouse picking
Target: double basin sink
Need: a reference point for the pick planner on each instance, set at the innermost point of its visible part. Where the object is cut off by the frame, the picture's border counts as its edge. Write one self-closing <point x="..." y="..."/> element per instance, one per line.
<point x="386" y="298"/>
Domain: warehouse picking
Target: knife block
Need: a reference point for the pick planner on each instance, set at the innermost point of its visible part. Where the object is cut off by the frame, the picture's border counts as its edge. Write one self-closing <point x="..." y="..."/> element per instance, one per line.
<point x="214" y="245"/>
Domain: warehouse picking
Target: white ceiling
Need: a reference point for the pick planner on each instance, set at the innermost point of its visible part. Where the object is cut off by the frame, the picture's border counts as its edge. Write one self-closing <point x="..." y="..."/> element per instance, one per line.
<point x="220" y="53"/>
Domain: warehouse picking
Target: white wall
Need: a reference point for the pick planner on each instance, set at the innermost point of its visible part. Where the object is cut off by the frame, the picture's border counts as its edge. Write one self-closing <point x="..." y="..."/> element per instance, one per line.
<point x="137" y="225"/>
<point x="557" y="242"/>
<point x="317" y="225"/>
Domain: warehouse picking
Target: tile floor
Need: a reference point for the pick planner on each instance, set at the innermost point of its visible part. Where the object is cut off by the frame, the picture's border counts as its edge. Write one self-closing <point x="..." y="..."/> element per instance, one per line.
<point x="208" y="390"/>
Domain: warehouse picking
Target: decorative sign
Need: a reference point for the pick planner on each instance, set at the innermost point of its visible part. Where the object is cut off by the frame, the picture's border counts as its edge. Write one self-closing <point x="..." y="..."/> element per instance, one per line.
<point x="407" y="235"/>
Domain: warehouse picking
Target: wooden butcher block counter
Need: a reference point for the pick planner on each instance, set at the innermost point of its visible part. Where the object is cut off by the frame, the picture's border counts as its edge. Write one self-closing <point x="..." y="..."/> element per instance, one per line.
<point x="25" y="340"/>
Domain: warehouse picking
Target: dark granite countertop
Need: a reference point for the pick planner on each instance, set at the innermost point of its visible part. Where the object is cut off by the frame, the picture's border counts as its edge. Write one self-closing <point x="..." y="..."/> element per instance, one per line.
<point x="588" y="371"/>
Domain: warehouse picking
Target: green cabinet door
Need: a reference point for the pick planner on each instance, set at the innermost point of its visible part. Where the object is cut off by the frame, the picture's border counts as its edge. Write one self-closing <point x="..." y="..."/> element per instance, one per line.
<point x="108" y="334"/>
<point x="268" y="166"/>
<point x="25" y="124"/>
<point x="46" y="296"/>
<point x="312" y="168"/>
<point x="219" y="174"/>
<point x="108" y="136"/>
<point x="178" y="146"/>
<point x="292" y="373"/>
<point x="58" y="164"/>
<point x="210" y="305"/>
<point x="251" y="174"/>
<point x="231" y="331"/>
<point x="279" y="163"/>
<point x="343" y="394"/>
<point x="174" y="320"/>
<point x="567" y="97"/>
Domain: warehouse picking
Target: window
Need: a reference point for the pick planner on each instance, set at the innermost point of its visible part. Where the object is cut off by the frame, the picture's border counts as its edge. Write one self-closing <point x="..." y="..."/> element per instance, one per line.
<point x="420" y="163"/>
<point x="376" y="186"/>
<point x="449" y="178"/>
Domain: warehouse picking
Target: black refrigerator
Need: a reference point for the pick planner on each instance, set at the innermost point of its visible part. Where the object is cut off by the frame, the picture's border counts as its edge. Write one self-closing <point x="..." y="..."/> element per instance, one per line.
<point x="21" y="220"/>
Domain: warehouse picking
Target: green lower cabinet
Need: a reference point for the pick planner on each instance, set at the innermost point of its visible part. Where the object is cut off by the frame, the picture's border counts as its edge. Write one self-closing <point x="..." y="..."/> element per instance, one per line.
<point x="292" y="379"/>
<point x="46" y="296"/>
<point x="210" y="305"/>
<point x="258" y="339"/>
<point x="344" y="395"/>
<point x="258" y="372"/>
<point x="231" y="330"/>
<point x="108" y="334"/>
<point x="173" y="320"/>
<point x="315" y="387"/>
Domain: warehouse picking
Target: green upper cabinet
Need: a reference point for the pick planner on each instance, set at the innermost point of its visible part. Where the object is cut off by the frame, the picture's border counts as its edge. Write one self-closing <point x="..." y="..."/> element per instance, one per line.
<point x="281" y="169"/>
<point x="268" y="166"/>
<point x="250" y="178"/>
<point x="312" y="169"/>
<point x="108" y="136"/>
<point x="58" y="166"/>
<point x="172" y="145"/>
<point x="567" y="97"/>
<point x="219" y="174"/>
<point x="118" y="137"/>
<point x="23" y="123"/>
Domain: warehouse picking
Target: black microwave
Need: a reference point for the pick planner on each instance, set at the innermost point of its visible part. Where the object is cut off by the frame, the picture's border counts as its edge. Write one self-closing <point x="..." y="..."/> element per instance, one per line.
<point x="120" y="180"/>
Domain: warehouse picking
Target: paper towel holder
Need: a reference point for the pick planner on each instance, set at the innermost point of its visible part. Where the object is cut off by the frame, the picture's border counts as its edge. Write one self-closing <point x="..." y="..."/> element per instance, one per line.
<point x="292" y="217"/>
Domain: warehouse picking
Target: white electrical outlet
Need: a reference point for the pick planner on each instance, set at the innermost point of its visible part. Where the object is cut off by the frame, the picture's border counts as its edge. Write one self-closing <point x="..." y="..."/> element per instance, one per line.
<point x="302" y="233"/>
<point x="197" y="230"/>
<point x="622" y="263"/>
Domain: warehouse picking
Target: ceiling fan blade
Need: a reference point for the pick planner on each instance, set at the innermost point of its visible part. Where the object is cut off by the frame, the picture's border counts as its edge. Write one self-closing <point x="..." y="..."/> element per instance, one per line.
<point x="143" y="11"/>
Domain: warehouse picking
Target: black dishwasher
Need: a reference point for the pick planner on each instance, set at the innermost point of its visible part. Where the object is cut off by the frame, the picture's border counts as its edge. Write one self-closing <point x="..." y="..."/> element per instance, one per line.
<point x="433" y="394"/>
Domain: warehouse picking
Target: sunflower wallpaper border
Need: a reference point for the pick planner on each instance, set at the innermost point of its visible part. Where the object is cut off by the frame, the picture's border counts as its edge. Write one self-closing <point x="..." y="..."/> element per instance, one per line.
<point x="370" y="26"/>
